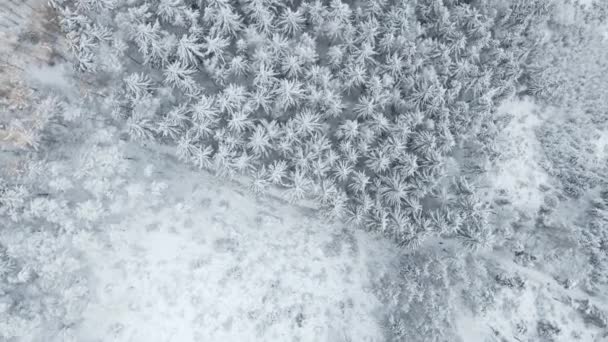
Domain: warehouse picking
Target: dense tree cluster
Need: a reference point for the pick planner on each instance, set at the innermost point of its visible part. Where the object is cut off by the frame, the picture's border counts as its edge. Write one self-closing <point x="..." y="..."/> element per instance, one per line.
<point x="41" y="280"/>
<point x="358" y="105"/>
<point x="47" y="215"/>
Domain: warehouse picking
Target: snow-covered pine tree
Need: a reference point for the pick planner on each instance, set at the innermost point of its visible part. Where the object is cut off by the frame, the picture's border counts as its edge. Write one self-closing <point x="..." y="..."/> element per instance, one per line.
<point x="366" y="98"/>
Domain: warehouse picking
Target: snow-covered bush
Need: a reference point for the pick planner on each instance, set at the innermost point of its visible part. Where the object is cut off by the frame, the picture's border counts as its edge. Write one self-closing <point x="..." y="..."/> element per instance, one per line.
<point x="359" y="105"/>
<point x="568" y="67"/>
<point x="25" y="115"/>
<point x="420" y="306"/>
<point x="547" y="331"/>
<point x="572" y="157"/>
<point x="567" y="71"/>
<point x="428" y="291"/>
<point x="594" y="237"/>
<point x="593" y="314"/>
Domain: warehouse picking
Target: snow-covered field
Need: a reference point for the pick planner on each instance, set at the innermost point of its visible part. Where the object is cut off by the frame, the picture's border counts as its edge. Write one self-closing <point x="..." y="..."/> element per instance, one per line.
<point x="190" y="258"/>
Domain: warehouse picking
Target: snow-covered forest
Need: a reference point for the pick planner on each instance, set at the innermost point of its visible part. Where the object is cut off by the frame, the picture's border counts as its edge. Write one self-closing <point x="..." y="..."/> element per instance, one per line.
<point x="303" y="170"/>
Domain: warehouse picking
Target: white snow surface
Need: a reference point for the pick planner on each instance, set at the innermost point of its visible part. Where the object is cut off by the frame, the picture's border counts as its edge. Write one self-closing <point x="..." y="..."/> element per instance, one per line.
<point x="519" y="170"/>
<point x="203" y="261"/>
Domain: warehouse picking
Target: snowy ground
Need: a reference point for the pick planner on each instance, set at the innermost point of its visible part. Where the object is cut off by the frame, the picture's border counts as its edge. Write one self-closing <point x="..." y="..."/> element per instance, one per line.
<point x="203" y="261"/>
